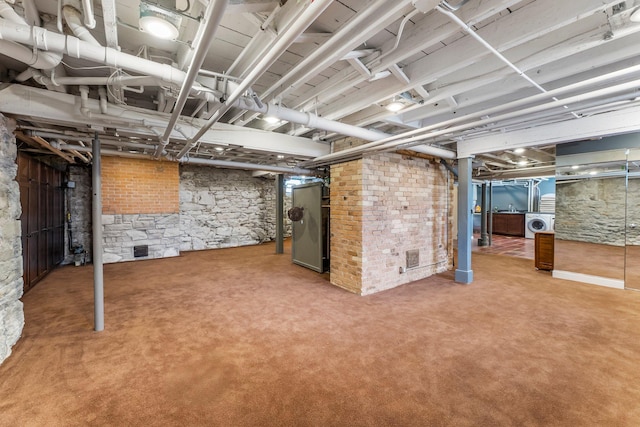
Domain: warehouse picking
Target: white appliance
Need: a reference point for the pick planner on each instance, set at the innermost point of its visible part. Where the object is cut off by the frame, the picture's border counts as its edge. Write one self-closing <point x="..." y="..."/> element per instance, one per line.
<point x="535" y="222"/>
<point x="548" y="203"/>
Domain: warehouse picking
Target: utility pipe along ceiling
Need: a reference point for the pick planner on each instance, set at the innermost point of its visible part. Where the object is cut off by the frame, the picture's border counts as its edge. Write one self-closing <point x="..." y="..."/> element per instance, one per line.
<point x="272" y="85"/>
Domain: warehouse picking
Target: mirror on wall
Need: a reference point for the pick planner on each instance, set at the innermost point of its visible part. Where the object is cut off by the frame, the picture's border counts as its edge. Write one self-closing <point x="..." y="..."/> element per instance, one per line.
<point x="590" y="225"/>
<point x="632" y="251"/>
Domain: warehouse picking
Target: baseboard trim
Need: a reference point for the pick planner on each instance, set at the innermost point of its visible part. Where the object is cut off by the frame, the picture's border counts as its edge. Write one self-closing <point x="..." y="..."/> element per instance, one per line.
<point x="588" y="278"/>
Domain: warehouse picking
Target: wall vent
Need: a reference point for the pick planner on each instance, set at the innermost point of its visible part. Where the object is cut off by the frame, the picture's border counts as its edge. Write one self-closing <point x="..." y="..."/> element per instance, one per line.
<point x="140" y="251"/>
<point x="413" y="258"/>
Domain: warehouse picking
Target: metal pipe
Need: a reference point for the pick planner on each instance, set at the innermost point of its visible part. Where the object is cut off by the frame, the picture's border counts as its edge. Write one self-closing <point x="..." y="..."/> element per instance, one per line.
<point x="493" y="50"/>
<point x="310" y="14"/>
<point x="98" y="265"/>
<point x="280" y="213"/>
<point x="213" y="16"/>
<point x="356" y="28"/>
<point x="247" y="166"/>
<point x="445" y="126"/>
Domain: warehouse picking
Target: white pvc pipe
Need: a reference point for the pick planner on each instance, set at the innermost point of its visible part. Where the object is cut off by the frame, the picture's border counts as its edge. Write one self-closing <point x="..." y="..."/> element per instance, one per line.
<point x="72" y="17"/>
<point x="311" y="13"/>
<point x="7" y="12"/>
<point x="76" y="48"/>
<point x="89" y="19"/>
<point x="31" y="12"/>
<point x="37" y="59"/>
<point x="213" y="16"/>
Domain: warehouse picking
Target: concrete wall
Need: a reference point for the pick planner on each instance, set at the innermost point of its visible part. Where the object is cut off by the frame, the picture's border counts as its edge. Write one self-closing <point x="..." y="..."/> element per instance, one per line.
<point x="11" y="286"/>
<point x="382" y="207"/>
<point x="222" y="208"/>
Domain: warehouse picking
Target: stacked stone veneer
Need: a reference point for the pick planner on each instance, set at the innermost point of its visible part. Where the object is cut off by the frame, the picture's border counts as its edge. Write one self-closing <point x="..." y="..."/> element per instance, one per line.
<point x="11" y="286"/>
<point x="139" y="207"/>
<point x="222" y="208"/>
<point x="591" y="210"/>
<point x="381" y="207"/>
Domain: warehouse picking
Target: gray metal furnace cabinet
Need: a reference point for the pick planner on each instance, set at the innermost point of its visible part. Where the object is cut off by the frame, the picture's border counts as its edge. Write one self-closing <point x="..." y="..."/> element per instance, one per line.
<point x="310" y="235"/>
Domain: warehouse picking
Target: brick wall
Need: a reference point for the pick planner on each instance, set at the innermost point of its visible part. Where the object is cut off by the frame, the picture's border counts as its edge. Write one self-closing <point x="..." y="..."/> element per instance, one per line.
<point x="381" y="207"/>
<point x="133" y="186"/>
<point x="140" y="207"/>
<point x="346" y="225"/>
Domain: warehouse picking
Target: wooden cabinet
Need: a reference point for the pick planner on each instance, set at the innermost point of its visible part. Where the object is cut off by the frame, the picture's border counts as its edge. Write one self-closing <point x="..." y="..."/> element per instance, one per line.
<point x="544" y="250"/>
<point x="42" y="219"/>
<point x="510" y="224"/>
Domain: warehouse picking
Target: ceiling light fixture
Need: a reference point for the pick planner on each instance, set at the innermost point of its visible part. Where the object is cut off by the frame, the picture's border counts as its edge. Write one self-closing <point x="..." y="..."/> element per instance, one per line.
<point x="574" y="167"/>
<point x="271" y="120"/>
<point x="159" y="22"/>
<point x="395" y="106"/>
<point x="519" y="150"/>
<point x="523" y="163"/>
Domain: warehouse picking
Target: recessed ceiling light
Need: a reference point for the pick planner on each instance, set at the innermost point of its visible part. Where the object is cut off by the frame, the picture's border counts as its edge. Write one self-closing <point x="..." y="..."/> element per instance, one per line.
<point x="523" y="163"/>
<point x="219" y="149"/>
<point x="519" y="150"/>
<point x="159" y="22"/>
<point x="272" y="120"/>
<point x="395" y="106"/>
<point x="574" y="167"/>
<point x="593" y="172"/>
<point x="280" y="156"/>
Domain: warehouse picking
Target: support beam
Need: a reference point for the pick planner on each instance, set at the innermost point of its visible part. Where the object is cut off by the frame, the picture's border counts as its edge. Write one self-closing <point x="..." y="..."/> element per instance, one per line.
<point x="484" y="237"/>
<point x="605" y="124"/>
<point x="463" y="273"/>
<point x="280" y="213"/>
<point x="98" y="273"/>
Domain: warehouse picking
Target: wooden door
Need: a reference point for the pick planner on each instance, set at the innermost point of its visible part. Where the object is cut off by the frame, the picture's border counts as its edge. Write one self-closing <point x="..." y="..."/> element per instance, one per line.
<point x="42" y="201"/>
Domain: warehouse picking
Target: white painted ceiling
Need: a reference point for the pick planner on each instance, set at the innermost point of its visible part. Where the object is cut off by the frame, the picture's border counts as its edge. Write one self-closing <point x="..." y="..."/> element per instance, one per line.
<point x="343" y="66"/>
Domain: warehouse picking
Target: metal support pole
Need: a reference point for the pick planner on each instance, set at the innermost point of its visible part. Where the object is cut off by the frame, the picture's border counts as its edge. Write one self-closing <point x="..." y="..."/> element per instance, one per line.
<point x="463" y="273"/>
<point x="98" y="278"/>
<point x="490" y="212"/>
<point x="280" y="213"/>
<point x="484" y="237"/>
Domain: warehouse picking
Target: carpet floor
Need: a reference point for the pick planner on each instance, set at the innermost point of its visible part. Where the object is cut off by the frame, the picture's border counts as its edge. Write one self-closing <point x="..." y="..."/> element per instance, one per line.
<point x="242" y="337"/>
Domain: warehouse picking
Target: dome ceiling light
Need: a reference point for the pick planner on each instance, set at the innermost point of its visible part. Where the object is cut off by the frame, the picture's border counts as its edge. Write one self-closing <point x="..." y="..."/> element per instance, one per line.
<point x="159" y="21"/>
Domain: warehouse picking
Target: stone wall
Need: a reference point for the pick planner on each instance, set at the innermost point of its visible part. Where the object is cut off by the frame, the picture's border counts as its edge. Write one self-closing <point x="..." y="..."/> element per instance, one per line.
<point x="383" y="207"/>
<point x="591" y="210"/>
<point x="222" y="208"/>
<point x="78" y="205"/>
<point x="11" y="286"/>
<point x="140" y="207"/>
<point x="121" y="232"/>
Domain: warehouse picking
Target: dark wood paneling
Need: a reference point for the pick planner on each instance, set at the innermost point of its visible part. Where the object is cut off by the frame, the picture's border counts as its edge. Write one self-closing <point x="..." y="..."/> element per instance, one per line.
<point x="42" y="200"/>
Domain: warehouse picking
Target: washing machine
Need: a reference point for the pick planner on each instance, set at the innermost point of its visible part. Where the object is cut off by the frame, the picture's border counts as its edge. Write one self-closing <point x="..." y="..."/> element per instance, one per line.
<point x="535" y="222"/>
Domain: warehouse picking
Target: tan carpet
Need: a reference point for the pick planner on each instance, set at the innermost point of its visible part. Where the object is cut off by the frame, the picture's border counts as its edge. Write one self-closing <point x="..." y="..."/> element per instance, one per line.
<point x="243" y="337"/>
